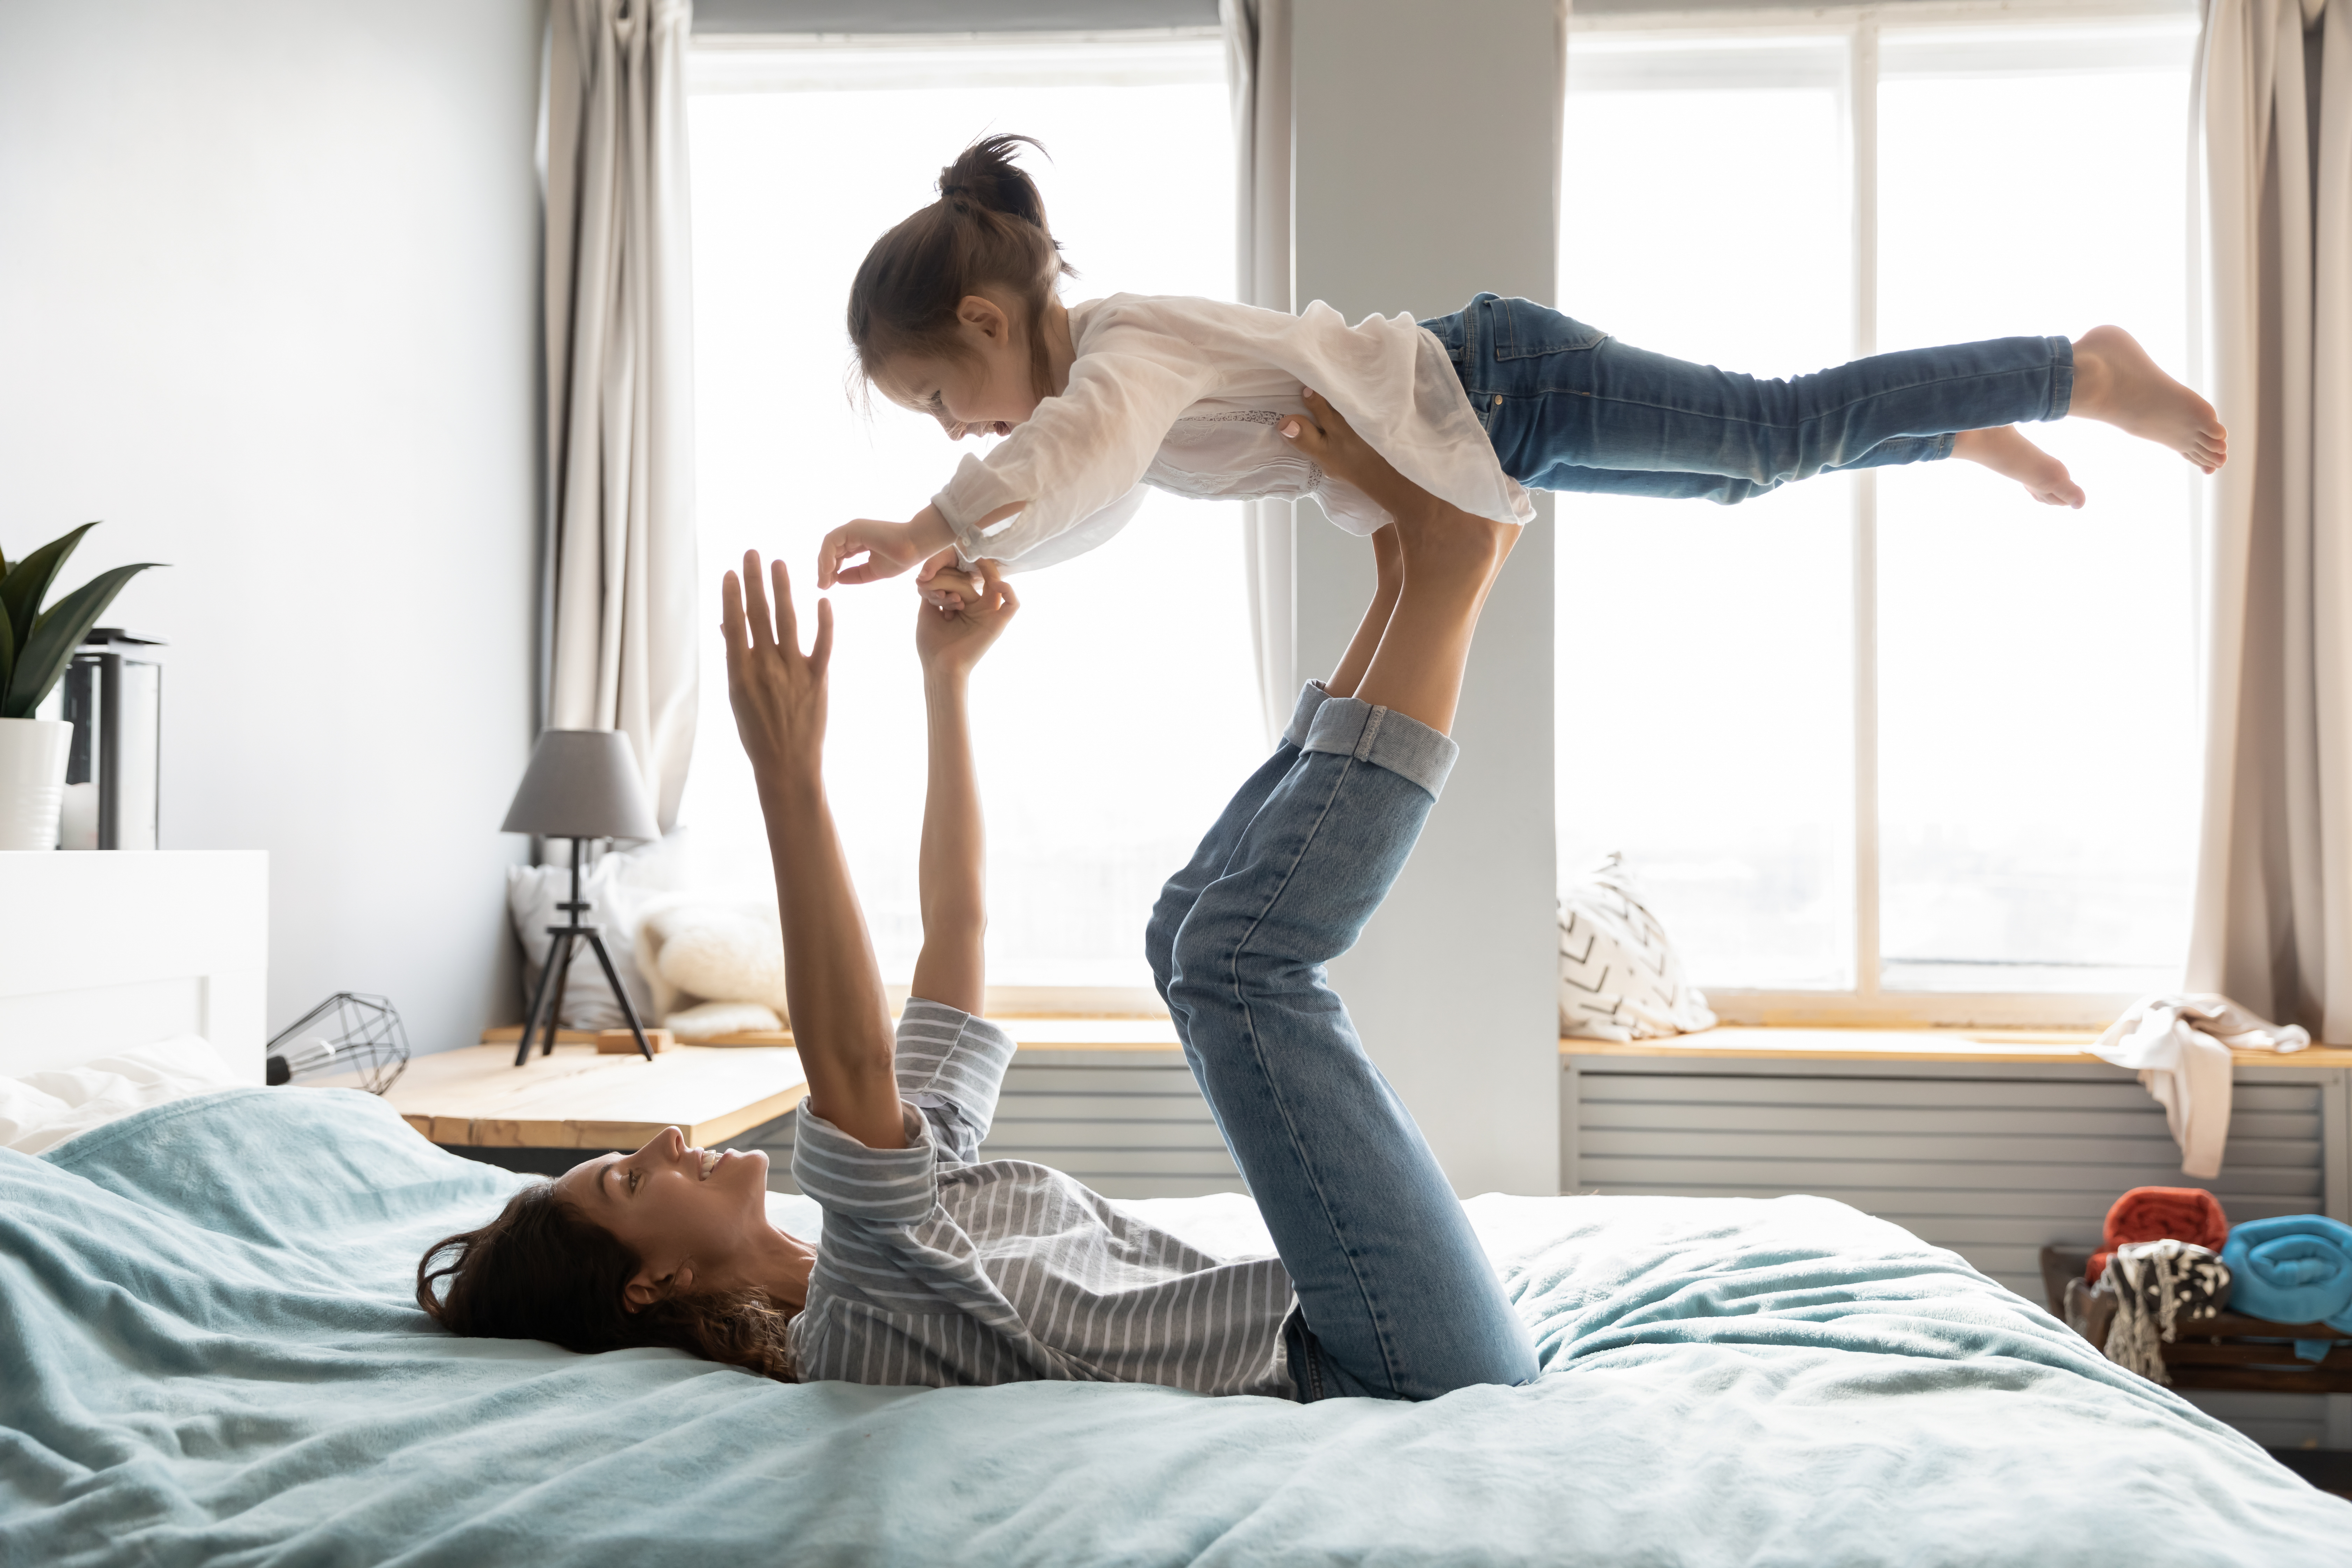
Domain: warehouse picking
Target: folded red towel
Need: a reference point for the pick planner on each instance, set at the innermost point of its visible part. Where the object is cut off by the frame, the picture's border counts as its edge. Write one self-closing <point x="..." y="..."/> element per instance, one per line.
<point x="2152" y="1214"/>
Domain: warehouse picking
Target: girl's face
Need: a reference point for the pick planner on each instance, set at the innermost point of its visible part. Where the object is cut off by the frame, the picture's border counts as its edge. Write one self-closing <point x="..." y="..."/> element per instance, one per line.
<point x="694" y="1217"/>
<point x="985" y="391"/>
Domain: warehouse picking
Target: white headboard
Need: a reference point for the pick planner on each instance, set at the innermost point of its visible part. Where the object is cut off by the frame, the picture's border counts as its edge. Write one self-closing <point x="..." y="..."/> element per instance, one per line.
<point x="102" y="950"/>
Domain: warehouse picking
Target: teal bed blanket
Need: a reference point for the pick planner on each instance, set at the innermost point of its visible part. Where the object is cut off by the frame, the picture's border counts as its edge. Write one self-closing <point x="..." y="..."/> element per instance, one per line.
<point x="207" y="1355"/>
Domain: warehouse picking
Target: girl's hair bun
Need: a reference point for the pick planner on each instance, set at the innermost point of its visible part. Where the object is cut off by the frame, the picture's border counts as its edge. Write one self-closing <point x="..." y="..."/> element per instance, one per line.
<point x="985" y="177"/>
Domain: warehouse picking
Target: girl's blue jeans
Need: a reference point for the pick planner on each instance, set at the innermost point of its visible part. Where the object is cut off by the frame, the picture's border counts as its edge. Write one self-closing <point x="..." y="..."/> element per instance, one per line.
<point x="1569" y="407"/>
<point x="1396" y="1297"/>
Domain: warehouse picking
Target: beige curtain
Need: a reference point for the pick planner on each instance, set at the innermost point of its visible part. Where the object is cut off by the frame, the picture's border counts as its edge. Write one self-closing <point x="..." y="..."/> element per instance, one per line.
<point x="621" y="635"/>
<point x="1257" y="72"/>
<point x="2274" y="912"/>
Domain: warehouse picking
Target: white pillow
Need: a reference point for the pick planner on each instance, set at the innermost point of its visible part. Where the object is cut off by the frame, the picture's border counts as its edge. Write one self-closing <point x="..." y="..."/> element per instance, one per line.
<point x="43" y="1109"/>
<point x="532" y="893"/>
<point x="1620" y="978"/>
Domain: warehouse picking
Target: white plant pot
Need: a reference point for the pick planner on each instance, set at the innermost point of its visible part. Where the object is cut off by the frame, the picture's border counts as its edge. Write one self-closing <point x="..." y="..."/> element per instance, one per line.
<point x="32" y="781"/>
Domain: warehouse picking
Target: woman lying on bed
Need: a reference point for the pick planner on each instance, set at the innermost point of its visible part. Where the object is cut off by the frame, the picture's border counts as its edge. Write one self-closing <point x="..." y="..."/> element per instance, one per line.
<point x="937" y="1268"/>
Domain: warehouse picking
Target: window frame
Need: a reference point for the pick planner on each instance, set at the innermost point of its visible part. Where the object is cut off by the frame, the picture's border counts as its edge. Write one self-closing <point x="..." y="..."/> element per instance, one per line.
<point x="732" y="58"/>
<point x="1860" y="29"/>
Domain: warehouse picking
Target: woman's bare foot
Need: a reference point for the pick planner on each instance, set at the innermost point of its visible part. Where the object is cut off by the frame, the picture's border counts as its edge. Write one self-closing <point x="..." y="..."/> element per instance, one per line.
<point x="2012" y="455"/>
<point x="2116" y="384"/>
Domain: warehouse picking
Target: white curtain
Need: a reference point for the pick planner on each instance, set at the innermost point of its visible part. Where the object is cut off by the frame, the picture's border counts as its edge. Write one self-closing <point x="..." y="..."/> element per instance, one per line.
<point x="622" y="642"/>
<point x="2274" y="912"/>
<point x="1257" y="70"/>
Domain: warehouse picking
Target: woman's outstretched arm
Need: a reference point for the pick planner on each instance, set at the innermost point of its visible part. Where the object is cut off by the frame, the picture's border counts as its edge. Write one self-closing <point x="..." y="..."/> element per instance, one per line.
<point x="840" y="1019"/>
<point x="951" y="968"/>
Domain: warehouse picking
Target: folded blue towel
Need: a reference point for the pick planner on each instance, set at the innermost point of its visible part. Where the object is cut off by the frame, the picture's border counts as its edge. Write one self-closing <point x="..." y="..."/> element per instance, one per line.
<point x="2296" y="1269"/>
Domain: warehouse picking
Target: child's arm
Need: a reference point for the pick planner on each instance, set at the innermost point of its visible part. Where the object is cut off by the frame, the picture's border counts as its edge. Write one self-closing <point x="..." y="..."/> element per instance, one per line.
<point x="1081" y="450"/>
<point x="840" y="1020"/>
<point x="891" y="548"/>
<point x="950" y="969"/>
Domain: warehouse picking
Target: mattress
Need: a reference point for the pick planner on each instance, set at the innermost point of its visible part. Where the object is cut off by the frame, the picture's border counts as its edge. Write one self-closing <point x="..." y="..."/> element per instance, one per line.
<point x="209" y="1354"/>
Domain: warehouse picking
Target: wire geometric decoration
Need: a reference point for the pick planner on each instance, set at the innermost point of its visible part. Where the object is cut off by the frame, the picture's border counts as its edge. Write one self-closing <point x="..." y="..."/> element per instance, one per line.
<point x="346" y="1033"/>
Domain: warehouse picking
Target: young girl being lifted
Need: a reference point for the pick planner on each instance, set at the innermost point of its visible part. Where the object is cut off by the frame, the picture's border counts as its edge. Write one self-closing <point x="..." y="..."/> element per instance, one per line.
<point x="954" y="313"/>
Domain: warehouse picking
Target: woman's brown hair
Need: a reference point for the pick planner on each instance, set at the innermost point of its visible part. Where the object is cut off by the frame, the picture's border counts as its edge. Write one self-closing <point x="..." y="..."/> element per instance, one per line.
<point x="987" y="228"/>
<point x="543" y="1270"/>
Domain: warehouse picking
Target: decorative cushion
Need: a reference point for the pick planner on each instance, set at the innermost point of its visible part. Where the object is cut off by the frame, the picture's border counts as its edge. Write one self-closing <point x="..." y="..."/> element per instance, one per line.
<point x="1620" y="977"/>
<point x="717" y="950"/>
<point x="532" y="893"/>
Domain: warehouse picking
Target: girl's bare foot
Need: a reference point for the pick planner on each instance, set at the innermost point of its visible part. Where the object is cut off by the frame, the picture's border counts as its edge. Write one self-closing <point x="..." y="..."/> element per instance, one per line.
<point x="2012" y="455"/>
<point x="2116" y="384"/>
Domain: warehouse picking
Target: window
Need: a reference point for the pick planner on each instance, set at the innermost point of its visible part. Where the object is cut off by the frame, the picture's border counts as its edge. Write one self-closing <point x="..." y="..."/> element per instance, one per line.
<point x="1902" y="744"/>
<point x="1099" y="770"/>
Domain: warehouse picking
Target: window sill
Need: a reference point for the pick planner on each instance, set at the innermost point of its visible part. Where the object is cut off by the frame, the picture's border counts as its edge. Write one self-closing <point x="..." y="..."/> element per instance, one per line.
<point x="2066" y="1046"/>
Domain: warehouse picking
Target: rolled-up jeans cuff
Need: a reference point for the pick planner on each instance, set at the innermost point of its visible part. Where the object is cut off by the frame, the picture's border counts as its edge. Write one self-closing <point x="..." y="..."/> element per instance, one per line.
<point x="1311" y="697"/>
<point x="1385" y="738"/>
<point x="2062" y="378"/>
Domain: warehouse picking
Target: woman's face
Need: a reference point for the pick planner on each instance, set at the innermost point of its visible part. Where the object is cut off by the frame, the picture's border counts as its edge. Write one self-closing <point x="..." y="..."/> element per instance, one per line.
<point x="985" y="391"/>
<point x="694" y="1216"/>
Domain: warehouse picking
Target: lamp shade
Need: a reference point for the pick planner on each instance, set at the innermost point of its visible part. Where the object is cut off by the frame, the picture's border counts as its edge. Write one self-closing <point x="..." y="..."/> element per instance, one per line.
<point x="583" y="784"/>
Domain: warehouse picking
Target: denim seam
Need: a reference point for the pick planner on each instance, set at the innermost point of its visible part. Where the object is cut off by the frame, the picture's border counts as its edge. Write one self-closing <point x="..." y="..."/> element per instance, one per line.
<point x="1257" y="1050"/>
<point x="1767" y="424"/>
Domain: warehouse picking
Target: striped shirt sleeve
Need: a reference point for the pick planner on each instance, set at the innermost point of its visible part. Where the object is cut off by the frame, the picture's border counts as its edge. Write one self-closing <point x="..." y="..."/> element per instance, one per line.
<point x="850" y="1181"/>
<point x="950" y="1068"/>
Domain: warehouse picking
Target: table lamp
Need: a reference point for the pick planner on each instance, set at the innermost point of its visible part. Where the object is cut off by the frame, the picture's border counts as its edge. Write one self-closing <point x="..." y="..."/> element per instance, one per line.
<point x="580" y="784"/>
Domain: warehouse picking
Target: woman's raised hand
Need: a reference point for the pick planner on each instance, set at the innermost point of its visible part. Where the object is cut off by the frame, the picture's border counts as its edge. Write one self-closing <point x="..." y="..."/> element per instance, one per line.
<point x="777" y="691"/>
<point x="950" y="639"/>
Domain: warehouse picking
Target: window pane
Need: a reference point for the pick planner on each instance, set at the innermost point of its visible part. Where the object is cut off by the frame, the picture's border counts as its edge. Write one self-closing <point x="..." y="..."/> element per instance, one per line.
<point x="1705" y="653"/>
<point x="802" y="158"/>
<point x="2038" y="755"/>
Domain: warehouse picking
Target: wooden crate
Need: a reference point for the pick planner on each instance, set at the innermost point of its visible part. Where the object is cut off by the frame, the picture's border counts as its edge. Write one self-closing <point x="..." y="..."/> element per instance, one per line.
<point x="2229" y="1351"/>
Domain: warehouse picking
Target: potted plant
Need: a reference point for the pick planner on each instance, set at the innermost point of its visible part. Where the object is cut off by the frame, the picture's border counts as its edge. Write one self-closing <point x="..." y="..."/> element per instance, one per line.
<point x="36" y="645"/>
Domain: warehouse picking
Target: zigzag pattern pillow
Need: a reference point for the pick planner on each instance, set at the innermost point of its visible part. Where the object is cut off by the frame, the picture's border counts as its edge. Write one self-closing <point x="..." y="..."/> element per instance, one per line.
<point x="1620" y="978"/>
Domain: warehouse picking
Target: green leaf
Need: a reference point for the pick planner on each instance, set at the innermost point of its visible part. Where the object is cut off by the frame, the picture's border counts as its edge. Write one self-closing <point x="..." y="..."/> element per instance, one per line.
<point x="24" y="588"/>
<point x="43" y="656"/>
<point x="8" y="653"/>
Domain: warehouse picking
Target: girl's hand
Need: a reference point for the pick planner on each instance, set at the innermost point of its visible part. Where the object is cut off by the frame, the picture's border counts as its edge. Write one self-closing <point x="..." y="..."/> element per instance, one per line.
<point x="889" y="548"/>
<point x="951" y="639"/>
<point x="777" y="691"/>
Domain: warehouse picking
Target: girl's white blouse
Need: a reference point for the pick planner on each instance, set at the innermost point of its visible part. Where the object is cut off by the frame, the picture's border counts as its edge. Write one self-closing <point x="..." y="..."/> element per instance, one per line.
<point x="1185" y="395"/>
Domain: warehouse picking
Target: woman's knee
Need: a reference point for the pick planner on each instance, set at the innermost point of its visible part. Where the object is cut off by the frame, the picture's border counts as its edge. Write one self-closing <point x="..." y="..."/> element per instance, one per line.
<point x="1168" y="912"/>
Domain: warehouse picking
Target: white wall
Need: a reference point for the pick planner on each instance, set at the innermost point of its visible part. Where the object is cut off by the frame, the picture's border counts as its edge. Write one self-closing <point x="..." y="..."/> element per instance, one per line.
<point x="267" y="306"/>
<point x="1423" y="173"/>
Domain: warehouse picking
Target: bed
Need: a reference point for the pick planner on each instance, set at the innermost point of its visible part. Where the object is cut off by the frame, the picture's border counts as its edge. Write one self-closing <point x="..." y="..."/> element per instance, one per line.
<point x="208" y="1356"/>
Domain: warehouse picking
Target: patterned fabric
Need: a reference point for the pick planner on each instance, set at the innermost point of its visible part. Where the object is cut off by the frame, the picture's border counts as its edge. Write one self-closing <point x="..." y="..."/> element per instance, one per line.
<point x="2156" y="1286"/>
<point x="1620" y="978"/>
<point x="938" y="1269"/>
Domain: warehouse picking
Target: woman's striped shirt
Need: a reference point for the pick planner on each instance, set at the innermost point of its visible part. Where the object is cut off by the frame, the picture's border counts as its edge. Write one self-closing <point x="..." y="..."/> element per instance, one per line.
<point x="939" y="1268"/>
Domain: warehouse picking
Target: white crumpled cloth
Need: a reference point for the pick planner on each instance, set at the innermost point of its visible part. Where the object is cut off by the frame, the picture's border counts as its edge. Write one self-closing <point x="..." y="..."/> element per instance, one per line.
<point x="2180" y="1047"/>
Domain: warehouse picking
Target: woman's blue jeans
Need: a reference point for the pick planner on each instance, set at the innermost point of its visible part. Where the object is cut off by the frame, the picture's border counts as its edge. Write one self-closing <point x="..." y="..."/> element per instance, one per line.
<point x="1569" y="407"/>
<point x="1396" y="1297"/>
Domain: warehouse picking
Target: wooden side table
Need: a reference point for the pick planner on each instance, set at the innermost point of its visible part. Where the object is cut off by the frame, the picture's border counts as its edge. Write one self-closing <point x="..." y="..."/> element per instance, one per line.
<point x="549" y="1114"/>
